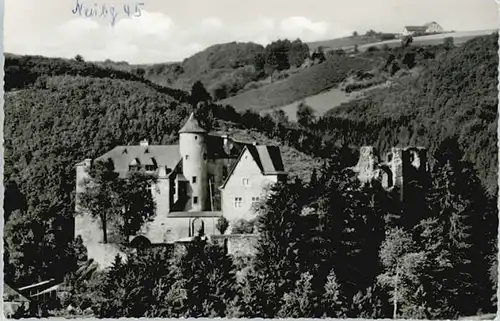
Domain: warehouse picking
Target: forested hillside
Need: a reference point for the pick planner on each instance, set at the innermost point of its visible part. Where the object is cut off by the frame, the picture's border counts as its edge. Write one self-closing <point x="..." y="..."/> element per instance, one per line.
<point x="454" y="94"/>
<point x="434" y="252"/>
<point x="66" y="112"/>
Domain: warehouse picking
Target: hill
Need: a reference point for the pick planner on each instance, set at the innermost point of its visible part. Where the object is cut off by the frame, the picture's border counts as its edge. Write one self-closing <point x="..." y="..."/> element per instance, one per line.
<point x="454" y="94"/>
<point x="459" y="38"/>
<point x="307" y="82"/>
<point x="344" y="42"/>
<point x="213" y="65"/>
<point x="64" y="112"/>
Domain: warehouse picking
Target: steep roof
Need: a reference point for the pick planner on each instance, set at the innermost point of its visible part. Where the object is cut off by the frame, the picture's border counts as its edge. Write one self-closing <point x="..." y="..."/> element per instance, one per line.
<point x="159" y="155"/>
<point x="192" y="126"/>
<point x="9" y="295"/>
<point x="268" y="158"/>
<point x="416" y="28"/>
<point x="428" y="24"/>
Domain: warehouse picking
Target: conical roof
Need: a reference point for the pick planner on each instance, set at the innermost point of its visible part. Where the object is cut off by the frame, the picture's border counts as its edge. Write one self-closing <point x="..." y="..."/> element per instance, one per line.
<point x="192" y="126"/>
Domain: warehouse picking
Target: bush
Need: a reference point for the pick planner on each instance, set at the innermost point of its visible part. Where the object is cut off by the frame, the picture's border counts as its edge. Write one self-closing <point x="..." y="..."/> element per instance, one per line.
<point x="243" y="226"/>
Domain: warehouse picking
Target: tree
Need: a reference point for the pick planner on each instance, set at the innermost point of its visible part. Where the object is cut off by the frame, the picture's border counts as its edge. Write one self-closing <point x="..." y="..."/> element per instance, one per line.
<point x="305" y="114"/>
<point x="222" y="225"/>
<point x="354" y="34"/>
<point x="140" y="72"/>
<point x="333" y="300"/>
<point x="277" y="55"/>
<point x="279" y="249"/>
<point x="457" y="230"/>
<point x="259" y="62"/>
<point x="406" y="41"/>
<point x="298" y="53"/>
<point x="300" y="302"/>
<point x="101" y="197"/>
<point x="199" y="94"/>
<point x="79" y="58"/>
<point x="137" y="200"/>
<point x="448" y="43"/>
<point x="121" y="204"/>
<point x="243" y="226"/>
<point x="403" y="266"/>
<point x="209" y="279"/>
<point x="318" y="55"/>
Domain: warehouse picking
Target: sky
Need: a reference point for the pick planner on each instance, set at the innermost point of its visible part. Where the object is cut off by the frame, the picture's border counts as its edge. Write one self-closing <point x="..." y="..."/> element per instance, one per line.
<point x="167" y="30"/>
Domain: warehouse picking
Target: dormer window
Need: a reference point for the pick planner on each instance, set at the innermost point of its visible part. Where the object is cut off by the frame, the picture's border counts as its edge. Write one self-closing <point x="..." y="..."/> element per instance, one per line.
<point x="134" y="165"/>
<point x="194" y="179"/>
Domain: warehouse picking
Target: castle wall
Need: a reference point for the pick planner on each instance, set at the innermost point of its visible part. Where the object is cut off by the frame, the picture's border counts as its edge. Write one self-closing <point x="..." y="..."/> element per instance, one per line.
<point x="89" y="228"/>
<point x="161" y="194"/>
<point x="164" y="229"/>
<point x="366" y="165"/>
<point x="238" y="245"/>
<point x="194" y="164"/>
<point x="396" y="166"/>
<point x="257" y="182"/>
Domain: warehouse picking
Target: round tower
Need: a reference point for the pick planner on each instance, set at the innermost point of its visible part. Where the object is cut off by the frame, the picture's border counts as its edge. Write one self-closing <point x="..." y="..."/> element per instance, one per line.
<point x="193" y="151"/>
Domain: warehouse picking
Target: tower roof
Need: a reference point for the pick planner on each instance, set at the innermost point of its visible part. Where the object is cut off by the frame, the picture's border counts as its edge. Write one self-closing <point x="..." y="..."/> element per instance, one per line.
<point x="192" y="126"/>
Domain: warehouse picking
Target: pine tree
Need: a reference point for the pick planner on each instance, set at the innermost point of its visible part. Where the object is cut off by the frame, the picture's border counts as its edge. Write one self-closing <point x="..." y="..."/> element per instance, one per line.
<point x="333" y="301"/>
<point x="301" y="301"/>
<point x="459" y="209"/>
<point x="279" y="249"/>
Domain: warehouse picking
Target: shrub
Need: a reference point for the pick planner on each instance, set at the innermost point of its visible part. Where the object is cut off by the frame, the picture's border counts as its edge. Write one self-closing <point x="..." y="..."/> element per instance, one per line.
<point x="243" y="226"/>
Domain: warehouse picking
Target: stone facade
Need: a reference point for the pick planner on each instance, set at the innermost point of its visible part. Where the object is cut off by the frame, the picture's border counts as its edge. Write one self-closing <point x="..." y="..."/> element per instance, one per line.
<point x="198" y="181"/>
<point x="400" y="166"/>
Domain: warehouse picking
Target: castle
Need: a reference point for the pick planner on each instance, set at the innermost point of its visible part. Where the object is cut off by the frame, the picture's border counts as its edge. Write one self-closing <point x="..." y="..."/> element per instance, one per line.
<point x="400" y="167"/>
<point x="204" y="177"/>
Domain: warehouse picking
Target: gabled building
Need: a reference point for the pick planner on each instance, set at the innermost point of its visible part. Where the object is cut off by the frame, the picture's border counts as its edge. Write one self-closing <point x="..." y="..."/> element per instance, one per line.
<point x="428" y="28"/>
<point x="203" y="177"/>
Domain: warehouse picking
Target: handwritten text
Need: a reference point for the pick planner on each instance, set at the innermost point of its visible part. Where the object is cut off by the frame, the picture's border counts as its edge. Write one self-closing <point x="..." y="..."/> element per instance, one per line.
<point x="106" y="11"/>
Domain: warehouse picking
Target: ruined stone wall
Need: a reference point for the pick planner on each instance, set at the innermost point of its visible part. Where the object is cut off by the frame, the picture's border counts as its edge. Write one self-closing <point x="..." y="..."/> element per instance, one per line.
<point x="238" y="245"/>
<point x="366" y="166"/>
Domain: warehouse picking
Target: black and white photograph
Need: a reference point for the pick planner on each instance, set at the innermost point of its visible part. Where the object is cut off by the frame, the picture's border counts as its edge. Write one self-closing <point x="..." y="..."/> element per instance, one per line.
<point x="332" y="159"/>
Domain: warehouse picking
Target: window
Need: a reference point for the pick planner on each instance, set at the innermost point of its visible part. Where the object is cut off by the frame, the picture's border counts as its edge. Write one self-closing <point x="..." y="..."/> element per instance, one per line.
<point x="204" y="156"/>
<point x="194" y="179"/>
<point x="245" y="182"/>
<point x="150" y="168"/>
<point x="238" y="201"/>
<point x="195" y="200"/>
<point x="187" y="157"/>
<point x="255" y="199"/>
<point x="195" y="137"/>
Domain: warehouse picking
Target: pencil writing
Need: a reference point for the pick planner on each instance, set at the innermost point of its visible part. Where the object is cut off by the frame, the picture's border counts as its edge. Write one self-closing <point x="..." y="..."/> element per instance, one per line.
<point x="107" y="11"/>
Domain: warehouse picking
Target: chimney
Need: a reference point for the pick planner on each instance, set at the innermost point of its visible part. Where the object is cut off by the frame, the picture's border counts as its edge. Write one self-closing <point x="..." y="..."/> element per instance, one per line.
<point x="226" y="143"/>
<point x="144" y="142"/>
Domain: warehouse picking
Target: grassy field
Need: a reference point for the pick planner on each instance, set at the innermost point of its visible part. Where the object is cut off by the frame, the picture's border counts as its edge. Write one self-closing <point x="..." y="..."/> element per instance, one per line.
<point x="458" y="37"/>
<point x="342" y="42"/>
<point x="309" y="82"/>
<point x="321" y="103"/>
